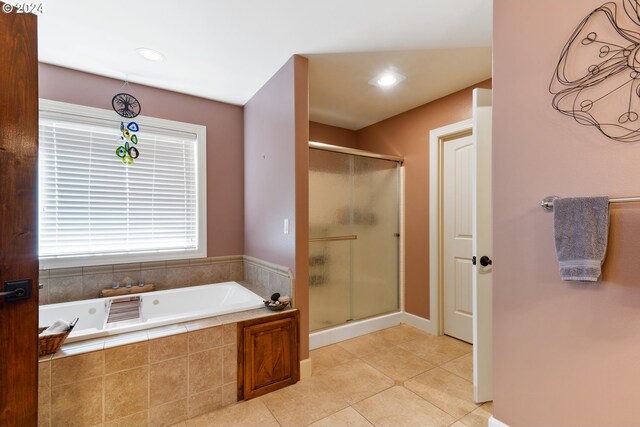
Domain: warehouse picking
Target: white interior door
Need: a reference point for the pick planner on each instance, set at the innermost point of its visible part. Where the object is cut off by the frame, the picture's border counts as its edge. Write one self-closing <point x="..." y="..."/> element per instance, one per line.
<point x="482" y="247"/>
<point x="457" y="216"/>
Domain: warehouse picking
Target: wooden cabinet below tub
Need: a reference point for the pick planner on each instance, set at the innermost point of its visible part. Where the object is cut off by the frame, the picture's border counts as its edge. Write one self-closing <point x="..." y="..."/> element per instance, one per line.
<point x="267" y="354"/>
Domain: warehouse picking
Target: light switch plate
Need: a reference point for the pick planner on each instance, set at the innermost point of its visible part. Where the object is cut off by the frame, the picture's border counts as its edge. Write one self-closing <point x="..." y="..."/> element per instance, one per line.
<point x="286" y="226"/>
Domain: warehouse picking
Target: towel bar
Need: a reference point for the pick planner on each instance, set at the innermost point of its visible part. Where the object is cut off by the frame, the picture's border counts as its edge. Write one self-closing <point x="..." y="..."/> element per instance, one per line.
<point x="547" y="202"/>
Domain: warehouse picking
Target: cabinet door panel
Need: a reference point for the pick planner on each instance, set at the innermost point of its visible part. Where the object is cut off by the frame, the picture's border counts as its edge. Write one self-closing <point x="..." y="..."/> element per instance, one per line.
<point x="269" y="345"/>
<point x="269" y="352"/>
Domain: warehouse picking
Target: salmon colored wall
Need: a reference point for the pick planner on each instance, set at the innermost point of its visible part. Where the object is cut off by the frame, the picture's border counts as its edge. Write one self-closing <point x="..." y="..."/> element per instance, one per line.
<point x="407" y="135"/>
<point x="565" y="354"/>
<point x="333" y="135"/>
<point x="269" y="160"/>
<point x="225" y="233"/>
<point x="276" y="178"/>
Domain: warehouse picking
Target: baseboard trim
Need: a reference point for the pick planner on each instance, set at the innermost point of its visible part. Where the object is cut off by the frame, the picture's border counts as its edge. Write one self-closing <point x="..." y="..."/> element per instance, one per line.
<point x="493" y="422"/>
<point x="418" y="322"/>
<point x="306" y="367"/>
<point x="363" y="327"/>
<point x="353" y="330"/>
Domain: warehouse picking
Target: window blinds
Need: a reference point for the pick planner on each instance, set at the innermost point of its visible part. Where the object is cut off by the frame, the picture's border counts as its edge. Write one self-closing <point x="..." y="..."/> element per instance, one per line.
<point x="91" y="204"/>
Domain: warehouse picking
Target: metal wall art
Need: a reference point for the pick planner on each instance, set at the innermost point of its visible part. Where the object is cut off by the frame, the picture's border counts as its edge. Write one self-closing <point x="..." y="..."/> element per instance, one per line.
<point x="127" y="106"/>
<point x="597" y="79"/>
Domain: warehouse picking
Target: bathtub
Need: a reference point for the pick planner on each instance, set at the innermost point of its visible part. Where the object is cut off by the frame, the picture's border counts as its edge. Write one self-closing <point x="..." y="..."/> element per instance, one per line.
<point x="158" y="308"/>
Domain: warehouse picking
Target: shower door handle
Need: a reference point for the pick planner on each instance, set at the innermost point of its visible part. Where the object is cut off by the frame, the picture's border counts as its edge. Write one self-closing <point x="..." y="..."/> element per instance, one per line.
<point x="334" y="238"/>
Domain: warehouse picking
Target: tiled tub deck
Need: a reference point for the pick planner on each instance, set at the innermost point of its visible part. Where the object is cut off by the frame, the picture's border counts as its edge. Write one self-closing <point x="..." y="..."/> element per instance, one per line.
<point x="156" y="377"/>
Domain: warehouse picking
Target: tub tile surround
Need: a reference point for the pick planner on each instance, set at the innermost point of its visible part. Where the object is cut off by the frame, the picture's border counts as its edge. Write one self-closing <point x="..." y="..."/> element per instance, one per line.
<point x="157" y="377"/>
<point x="265" y="279"/>
<point x="80" y="283"/>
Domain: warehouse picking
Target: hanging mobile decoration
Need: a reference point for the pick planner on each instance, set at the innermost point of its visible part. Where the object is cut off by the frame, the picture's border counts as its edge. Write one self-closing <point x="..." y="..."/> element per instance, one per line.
<point x="597" y="79"/>
<point x="127" y="106"/>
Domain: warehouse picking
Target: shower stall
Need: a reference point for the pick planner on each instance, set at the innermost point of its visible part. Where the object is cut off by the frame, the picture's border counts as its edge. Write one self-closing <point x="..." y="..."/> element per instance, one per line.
<point x="354" y="235"/>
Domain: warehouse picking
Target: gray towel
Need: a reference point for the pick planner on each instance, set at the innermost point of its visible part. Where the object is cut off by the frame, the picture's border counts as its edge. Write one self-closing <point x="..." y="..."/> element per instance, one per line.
<point x="581" y="226"/>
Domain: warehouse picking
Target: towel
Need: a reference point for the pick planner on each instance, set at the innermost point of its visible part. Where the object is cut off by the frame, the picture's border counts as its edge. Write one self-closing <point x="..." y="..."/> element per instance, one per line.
<point x="581" y="226"/>
<point x="58" y="327"/>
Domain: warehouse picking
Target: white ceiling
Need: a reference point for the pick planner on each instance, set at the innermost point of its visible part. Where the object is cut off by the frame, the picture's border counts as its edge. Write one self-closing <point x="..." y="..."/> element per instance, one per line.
<point x="340" y="95"/>
<point x="227" y="49"/>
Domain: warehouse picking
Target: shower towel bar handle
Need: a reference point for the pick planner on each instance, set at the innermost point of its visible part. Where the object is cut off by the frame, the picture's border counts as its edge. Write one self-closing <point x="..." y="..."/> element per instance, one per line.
<point x="334" y="238"/>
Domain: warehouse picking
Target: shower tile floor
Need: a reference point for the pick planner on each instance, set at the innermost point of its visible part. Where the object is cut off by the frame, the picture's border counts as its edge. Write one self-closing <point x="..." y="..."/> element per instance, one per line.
<point x="399" y="376"/>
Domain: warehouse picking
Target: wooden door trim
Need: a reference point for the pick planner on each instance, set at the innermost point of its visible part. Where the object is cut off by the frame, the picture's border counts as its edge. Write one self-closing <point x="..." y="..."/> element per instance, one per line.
<point x="19" y="217"/>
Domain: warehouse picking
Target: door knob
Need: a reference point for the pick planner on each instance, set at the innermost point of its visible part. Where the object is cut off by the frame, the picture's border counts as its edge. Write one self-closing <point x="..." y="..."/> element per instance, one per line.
<point x="16" y="290"/>
<point x="485" y="261"/>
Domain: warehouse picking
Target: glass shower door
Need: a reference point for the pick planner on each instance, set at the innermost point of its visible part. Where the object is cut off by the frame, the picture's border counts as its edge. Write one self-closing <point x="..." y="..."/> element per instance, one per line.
<point x="353" y="245"/>
<point x="329" y="250"/>
<point x="375" y="221"/>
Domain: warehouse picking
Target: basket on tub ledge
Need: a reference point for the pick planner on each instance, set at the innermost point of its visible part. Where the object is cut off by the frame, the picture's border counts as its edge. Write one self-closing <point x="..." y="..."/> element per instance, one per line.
<point x="49" y="344"/>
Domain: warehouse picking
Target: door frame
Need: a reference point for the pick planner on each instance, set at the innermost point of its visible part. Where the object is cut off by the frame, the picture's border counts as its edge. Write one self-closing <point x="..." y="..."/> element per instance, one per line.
<point x="19" y="223"/>
<point x="437" y="138"/>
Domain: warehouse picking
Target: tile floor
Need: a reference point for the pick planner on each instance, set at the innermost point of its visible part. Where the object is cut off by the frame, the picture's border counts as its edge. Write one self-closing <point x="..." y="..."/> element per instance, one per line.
<point x="399" y="376"/>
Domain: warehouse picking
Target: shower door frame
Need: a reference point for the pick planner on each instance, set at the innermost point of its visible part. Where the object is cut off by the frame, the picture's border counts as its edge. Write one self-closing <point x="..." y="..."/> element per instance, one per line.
<point x="399" y="164"/>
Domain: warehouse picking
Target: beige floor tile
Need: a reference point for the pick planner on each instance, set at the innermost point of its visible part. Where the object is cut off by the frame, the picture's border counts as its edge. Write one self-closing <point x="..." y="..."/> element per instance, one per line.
<point x="398" y="407"/>
<point x="488" y="407"/>
<point x="459" y="424"/>
<point x="327" y="357"/>
<point x="348" y="417"/>
<point x="357" y="380"/>
<point x="252" y="413"/>
<point x="437" y="350"/>
<point x="478" y="418"/>
<point x="462" y="366"/>
<point x="447" y="391"/>
<point x="307" y="401"/>
<point x="401" y="333"/>
<point x="365" y="344"/>
<point x="398" y="363"/>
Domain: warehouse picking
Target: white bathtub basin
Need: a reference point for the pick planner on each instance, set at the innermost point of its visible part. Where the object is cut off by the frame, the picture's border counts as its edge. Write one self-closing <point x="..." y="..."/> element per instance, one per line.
<point x="159" y="308"/>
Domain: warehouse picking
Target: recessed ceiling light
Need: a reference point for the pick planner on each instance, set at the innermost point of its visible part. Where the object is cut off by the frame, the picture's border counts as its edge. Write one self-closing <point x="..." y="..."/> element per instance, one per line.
<point x="387" y="79"/>
<point x="150" y="54"/>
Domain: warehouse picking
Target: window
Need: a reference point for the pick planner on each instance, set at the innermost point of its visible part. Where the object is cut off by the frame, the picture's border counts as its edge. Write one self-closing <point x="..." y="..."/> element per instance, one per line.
<point x="96" y="210"/>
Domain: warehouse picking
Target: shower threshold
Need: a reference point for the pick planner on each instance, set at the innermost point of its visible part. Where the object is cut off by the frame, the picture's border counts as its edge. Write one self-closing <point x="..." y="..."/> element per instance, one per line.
<point x="353" y="329"/>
